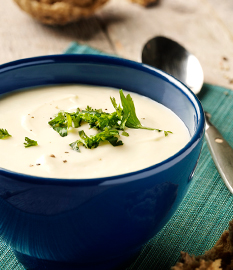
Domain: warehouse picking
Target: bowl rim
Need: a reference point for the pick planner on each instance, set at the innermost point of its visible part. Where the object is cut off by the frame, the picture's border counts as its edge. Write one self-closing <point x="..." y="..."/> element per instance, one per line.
<point x="117" y="61"/>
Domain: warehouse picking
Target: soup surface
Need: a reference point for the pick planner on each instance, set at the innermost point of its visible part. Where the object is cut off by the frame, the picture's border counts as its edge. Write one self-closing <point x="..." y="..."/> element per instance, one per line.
<point x="27" y="113"/>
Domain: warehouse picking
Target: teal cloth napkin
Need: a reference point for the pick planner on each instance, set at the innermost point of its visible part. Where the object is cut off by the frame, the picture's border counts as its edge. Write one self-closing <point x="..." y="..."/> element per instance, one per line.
<point x="206" y="209"/>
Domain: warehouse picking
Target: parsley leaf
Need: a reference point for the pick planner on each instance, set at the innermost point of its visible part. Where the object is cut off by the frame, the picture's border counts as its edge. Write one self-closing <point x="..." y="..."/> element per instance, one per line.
<point x="76" y="118"/>
<point x="4" y="133"/>
<point x="129" y="114"/>
<point x="29" y="142"/>
<point x="94" y="140"/>
<point x="129" y="111"/>
<point x="117" y="108"/>
<point x="68" y="120"/>
<point x="166" y="132"/>
<point x="60" y="123"/>
<point x="99" y="119"/>
<point x="124" y="133"/>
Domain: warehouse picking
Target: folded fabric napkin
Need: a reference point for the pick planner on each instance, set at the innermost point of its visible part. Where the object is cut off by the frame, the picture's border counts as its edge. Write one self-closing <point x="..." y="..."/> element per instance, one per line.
<point x="206" y="209"/>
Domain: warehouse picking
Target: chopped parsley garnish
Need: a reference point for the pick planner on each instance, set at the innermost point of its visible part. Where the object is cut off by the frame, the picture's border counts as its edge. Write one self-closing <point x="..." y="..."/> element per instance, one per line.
<point x="124" y="133"/>
<point x="4" y="133"/>
<point x="29" y="142"/>
<point x="166" y="133"/>
<point x="108" y="124"/>
<point x="94" y="140"/>
<point x="61" y="123"/>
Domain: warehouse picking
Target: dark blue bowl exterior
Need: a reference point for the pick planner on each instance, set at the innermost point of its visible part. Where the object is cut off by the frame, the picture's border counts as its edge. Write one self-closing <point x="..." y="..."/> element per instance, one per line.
<point x="89" y="222"/>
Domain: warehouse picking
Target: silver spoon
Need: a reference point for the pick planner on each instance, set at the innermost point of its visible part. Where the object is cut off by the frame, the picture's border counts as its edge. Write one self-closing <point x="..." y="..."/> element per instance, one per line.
<point x="169" y="56"/>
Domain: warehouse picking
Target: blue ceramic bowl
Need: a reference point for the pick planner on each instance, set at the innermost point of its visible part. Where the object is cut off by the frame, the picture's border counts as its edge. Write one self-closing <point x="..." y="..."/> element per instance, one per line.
<point x="95" y="223"/>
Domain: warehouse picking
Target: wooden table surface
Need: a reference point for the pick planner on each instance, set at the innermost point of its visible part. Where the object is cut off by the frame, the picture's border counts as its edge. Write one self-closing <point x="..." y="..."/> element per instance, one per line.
<point x="205" y="27"/>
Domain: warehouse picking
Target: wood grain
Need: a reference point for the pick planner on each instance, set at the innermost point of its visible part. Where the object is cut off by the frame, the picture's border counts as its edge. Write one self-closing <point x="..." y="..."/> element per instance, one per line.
<point x="121" y="27"/>
<point x="21" y="36"/>
<point x="191" y="23"/>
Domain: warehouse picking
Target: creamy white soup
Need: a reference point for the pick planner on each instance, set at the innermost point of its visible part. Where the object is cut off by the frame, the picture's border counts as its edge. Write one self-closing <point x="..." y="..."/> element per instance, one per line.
<point x="27" y="113"/>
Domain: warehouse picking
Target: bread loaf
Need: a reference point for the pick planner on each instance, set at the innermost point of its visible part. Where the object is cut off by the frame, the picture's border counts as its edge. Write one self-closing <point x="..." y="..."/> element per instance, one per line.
<point x="59" y="12"/>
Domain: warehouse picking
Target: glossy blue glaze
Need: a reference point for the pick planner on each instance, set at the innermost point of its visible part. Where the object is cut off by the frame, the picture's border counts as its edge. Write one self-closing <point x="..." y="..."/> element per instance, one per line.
<point x="95" y="224"/>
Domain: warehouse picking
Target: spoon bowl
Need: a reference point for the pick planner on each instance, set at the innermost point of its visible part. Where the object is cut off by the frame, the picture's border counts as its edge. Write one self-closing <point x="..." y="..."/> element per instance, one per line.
<point x="169" y="56"/>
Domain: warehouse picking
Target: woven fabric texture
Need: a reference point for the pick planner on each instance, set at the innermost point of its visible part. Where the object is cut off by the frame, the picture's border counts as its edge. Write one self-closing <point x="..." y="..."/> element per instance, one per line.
<point x="206" y="209"/>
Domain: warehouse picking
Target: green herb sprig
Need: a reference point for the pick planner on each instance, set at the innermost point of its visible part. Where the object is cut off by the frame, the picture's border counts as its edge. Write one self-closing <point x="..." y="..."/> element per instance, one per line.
<point x="29" y="142"/>
<point x="4" y="134"/>
<point x="94" y="140"/>
<point x="129" y="114"/>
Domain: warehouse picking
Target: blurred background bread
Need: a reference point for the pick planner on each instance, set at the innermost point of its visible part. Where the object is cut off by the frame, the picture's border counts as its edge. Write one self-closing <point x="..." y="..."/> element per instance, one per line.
<point x="144" y="2"/>
<point x="59" y="12"/>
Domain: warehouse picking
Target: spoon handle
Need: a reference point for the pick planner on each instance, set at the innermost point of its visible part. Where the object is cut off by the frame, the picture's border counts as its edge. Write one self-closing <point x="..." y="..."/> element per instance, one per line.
<point x="221" y="151"/>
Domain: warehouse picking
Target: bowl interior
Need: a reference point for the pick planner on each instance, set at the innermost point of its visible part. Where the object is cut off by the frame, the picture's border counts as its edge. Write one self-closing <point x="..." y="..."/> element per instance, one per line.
<point x="110" y="72"/>
<point x="104" y="71"/>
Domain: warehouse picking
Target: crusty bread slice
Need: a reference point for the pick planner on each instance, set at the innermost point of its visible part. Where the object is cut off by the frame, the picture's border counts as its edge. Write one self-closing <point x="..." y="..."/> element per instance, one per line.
<point x="218" y="257"/>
